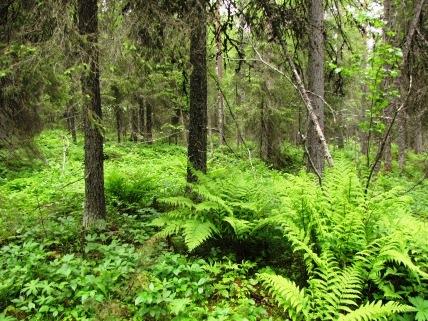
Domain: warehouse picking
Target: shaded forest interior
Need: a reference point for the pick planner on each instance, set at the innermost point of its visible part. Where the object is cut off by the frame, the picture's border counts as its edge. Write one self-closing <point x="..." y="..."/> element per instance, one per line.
<point x="214" y="160"/>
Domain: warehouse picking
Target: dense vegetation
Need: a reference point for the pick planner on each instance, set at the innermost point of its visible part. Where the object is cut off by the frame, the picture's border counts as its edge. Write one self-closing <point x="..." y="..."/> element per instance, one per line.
<point x="213" y="160"/>
<point x="255" y="240"/>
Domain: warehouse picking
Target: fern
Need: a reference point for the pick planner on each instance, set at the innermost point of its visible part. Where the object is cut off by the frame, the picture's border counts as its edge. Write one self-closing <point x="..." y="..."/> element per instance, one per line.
<point x="287" y="294"/>
<point x="195" y="233"/>
<point x="376" y="311"/>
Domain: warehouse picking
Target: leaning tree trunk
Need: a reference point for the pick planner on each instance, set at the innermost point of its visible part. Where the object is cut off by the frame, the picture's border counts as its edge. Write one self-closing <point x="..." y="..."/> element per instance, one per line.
<point x="197" y="143"/>
<point x="219" y="71"/>
<point x="94" y="172"/>
<point x="315" y="155"/>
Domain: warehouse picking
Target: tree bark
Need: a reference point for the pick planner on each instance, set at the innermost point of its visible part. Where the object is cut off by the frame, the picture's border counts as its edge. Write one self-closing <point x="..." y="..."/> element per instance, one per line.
<point x="197" y="143"/>
<point x="142" y="116"/>
<point x="119" y="122"/>
<point x="134" y="124"/>
<point x="316" y="84"/>
<point x="418" y="137"/>
<point x="94" y="168"/>
<point x="149" y="123"/>
<point x="219" y="71"/>
<point x="70" y="115"/>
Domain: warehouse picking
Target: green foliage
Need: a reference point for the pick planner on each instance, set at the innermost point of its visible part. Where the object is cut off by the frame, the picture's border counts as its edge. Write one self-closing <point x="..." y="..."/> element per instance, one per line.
<point x="327" y="253"/>
<point x="421" y="307"/>
<point x="344" y="246"/>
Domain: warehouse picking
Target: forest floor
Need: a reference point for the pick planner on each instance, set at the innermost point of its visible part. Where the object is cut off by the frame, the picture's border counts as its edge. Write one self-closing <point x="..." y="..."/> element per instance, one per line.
<point x="125" y="269"/>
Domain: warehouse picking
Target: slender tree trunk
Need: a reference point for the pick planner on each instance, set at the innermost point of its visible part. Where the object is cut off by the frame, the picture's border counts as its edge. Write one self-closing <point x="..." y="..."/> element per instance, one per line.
<point x="134" y="124"/>
<point x="219" y="71"/>
<point x="340" y="128"/>
<point x="142" y="116"/>
<point x="73" y="128"/>
<point x="418" y="137"/>
<point x="238" y="101"/>
<point x="388" y="112"/>
<point x="401" y="139"/>
<point x="71" y="120"/>
<point x="197" y="146"/>
<point x="316" y="84"/>
<point x="175" y="121"/>
<point x="262" y="142"/>
<point x="149" y="122"/>
<point x="119" y="123"/>
<point x="94" y="168"/>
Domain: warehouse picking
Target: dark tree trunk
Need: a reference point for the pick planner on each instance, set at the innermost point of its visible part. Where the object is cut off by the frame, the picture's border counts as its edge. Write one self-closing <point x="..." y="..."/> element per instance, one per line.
<point x="119" y="123"/>
<point x="197" y="146"/>
<point x="134" y="124"/>
<point x="417" y="136"/>
<point x="175" y="121"/>
<point x="141" y="113"/>
<point x="149" y="123"/>
<point x="340" y="130"/>
<point x="316" y="84"/>
<point x="94" y="171"/>
<point x="401" y="139"/>
<point x="262" y="142"/>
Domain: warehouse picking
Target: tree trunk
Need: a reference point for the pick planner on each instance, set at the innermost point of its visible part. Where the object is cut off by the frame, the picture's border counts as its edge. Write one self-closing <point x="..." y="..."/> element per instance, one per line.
<point x="71" y="122"/>
<point x="219" y="71"/>
<point x="119" y="123"/>
<point x="316" y="84"/>
<point x="418" y="137"/>
<point x="175" y="121"/>
<point x="340" y="130"/>
<point x="197" y="146"/>
<point x="149" y="123"/>
<point x="142" y="116"/>
<point x="262" y="129"/>
<point x="134" y="124"/>
<point x="401" y="139"/>
<point x="94" y="168"/>
<point x="388" y="112"/>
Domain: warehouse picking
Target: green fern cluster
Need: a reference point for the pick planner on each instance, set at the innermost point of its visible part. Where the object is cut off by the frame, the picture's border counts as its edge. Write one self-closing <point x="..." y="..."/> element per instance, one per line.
<point x="335" y="292"/>
<point x="343" y="236"/>
<point x="344" y="242"/>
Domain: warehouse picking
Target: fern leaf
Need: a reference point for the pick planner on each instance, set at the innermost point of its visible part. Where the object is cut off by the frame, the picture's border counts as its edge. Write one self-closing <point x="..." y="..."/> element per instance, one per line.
<point x="376" y="311"/>
<point x="241" y="227"/>
<point x="287" y="294"/>
<point x="177" y="201"/>
<point x="403" y="258"/>
<point x="197" y="232"/>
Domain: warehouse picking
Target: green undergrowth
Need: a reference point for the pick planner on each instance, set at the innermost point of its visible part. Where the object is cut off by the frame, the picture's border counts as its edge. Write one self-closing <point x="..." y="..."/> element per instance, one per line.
<point x="245" y="243"/>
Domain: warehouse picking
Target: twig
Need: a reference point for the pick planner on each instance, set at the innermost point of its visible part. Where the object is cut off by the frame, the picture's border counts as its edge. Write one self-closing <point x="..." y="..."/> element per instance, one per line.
<point x="384" y="140"/>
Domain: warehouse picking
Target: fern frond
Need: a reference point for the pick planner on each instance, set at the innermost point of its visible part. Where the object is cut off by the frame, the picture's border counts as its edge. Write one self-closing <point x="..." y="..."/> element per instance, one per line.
<point x="298" y="238"/>
<point x="207" y="195"/>
<point x="177" y="201"/>
<point x="350" y="286"/>
<point x="287" y="294"/>
<point x="170" y="228"/>
<point x="241" y="227"/>
<point x="376" y="311"/>
<point x="208" y="206"/>
<point x="400" y="257"/>
<point x="196" y="232"/>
